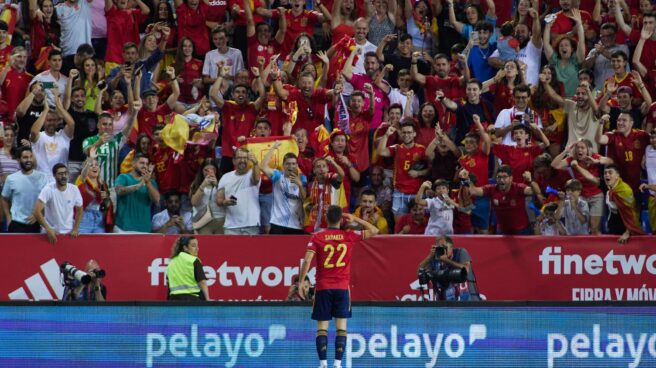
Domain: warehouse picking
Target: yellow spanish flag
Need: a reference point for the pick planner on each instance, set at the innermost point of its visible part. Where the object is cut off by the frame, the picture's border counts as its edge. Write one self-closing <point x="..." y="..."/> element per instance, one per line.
<point x="176" y="133"/>
<point x="260" y="146"/>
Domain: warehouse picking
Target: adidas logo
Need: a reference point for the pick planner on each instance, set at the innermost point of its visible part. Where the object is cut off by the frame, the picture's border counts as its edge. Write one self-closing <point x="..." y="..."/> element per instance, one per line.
<point x="37" y="287"/>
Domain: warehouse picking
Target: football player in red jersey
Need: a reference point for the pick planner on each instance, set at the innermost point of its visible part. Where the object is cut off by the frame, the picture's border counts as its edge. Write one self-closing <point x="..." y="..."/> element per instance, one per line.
<point x="333" y="248"/>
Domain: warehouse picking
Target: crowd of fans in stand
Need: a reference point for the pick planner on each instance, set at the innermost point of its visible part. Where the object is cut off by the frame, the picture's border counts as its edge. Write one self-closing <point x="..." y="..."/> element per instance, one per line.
<point x="441" y="116"/>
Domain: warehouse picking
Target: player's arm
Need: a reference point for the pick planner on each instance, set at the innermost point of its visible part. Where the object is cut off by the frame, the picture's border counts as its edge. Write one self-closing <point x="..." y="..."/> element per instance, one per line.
<point x="369" y="229"/>
<point x="305" y="267"/>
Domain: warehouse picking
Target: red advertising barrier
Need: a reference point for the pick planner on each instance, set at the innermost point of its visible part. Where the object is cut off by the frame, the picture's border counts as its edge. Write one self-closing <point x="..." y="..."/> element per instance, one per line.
<point x="383" y="268"/>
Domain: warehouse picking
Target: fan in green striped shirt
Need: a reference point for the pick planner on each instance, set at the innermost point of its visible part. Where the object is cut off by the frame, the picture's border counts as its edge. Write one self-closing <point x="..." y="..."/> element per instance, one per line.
<point x="106" y="147"/>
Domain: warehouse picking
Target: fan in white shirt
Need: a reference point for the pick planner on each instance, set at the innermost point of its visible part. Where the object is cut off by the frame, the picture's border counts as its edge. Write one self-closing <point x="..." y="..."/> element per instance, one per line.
<point x="51" y="146"/>
<point x="56" y="204"/>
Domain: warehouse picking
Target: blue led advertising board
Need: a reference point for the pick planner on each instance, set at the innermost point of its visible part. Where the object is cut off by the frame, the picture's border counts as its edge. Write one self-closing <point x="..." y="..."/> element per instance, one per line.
<point x="282" y="335"/>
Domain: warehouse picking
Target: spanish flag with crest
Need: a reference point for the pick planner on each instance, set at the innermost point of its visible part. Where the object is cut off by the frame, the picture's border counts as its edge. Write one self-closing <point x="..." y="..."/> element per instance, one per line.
<point x="260" y="146"/>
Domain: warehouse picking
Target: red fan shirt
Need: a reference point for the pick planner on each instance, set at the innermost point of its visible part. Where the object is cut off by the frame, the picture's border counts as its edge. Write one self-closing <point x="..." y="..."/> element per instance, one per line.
<point x="627" y="153"/>
<point x="477" y="164"/>
<point x="310" y="112"/>
<point x="124" y="26"/>
<point x="167" y="170"/>
<point x="509" y="207"/>
<point x="14" y="89"/>
<point x="191" y="70"/>
<point x="148" y="119"/>
<point x="519" y="159"/>
<point x="191" y="23"/>
<point x="404" y="157"/>
<point x="359" y="139"/>
<point x="304" y="23"/>
<point x="589" y="189"/>
<point x="238" y="120"/>
<point x="257" y="49"/>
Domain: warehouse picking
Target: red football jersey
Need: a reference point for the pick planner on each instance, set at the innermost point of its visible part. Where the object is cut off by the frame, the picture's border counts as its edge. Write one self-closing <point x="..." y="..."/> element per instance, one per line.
<point x="191" y="23"/>
<point x="191" y="70"/>
<point x="449" y="85"/>
<point x="625" y="81"/>
<point x="237" y="121"/>
<point x="648" y="52"/>
<point x="509" y="207"/>
<point x="519" y="159"/>
<point x="124" y="25"/>
<point x="148" y="119"/>
<point x="333" y="249"/>
<point x="359" y="142"/>
<point x="376" y="159"/>
<point x="256" y="49"/>
<point x="403" y="159"/>
<point x="589" y="188"/>
<point x="310" y="113"/>
<point x="14" y="89"/>
<point x="415" y="228"/>
<point x="477" y="164"/>
<point x="167" y="170"/>
<point x="295" y="26"/>
<point x="627" y="153"/>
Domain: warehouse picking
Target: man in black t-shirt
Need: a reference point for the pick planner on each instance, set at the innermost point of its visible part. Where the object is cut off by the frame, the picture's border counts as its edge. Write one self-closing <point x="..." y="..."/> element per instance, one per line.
<point x="29" y="110"/>
<point x="85" y="126"/>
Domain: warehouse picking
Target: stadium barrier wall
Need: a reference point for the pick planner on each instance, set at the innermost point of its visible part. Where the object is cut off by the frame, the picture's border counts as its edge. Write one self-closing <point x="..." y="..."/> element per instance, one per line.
<point x="383" y="268"/>
<point x="282" y="335"/>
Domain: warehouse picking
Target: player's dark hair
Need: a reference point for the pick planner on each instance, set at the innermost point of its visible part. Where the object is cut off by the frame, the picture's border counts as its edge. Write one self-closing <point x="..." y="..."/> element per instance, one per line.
<point x="334" y="215"/>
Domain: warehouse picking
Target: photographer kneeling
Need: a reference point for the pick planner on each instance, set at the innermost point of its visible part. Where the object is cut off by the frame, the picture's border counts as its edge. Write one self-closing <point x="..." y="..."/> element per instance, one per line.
<point x="83" y="285"/>
<point x="450" y="271"/>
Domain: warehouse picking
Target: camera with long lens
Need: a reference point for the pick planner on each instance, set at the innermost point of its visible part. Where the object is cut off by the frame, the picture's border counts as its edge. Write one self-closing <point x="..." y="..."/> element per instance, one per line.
<point x="68" y="270"/>
<point x="442" y="276"/>
<point x="440" y="251"/>
<point x="449" y="276"/>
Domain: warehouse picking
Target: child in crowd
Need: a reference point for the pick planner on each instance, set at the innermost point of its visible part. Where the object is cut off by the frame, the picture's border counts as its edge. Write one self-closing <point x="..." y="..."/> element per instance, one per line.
<point x="440" y="208"/>
<point x="547" y="224"/>
<point x="507" y="45"/>
<point x="574" y="210"/>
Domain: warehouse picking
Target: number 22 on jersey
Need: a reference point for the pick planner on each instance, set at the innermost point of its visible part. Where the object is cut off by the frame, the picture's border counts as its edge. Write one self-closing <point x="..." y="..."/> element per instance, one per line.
<point x="330" y="251"/>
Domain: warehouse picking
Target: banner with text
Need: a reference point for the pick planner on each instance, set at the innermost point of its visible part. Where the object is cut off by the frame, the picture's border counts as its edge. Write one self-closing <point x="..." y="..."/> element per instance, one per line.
<point x="383" y="268"/>
<point x="274" y="335"/>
